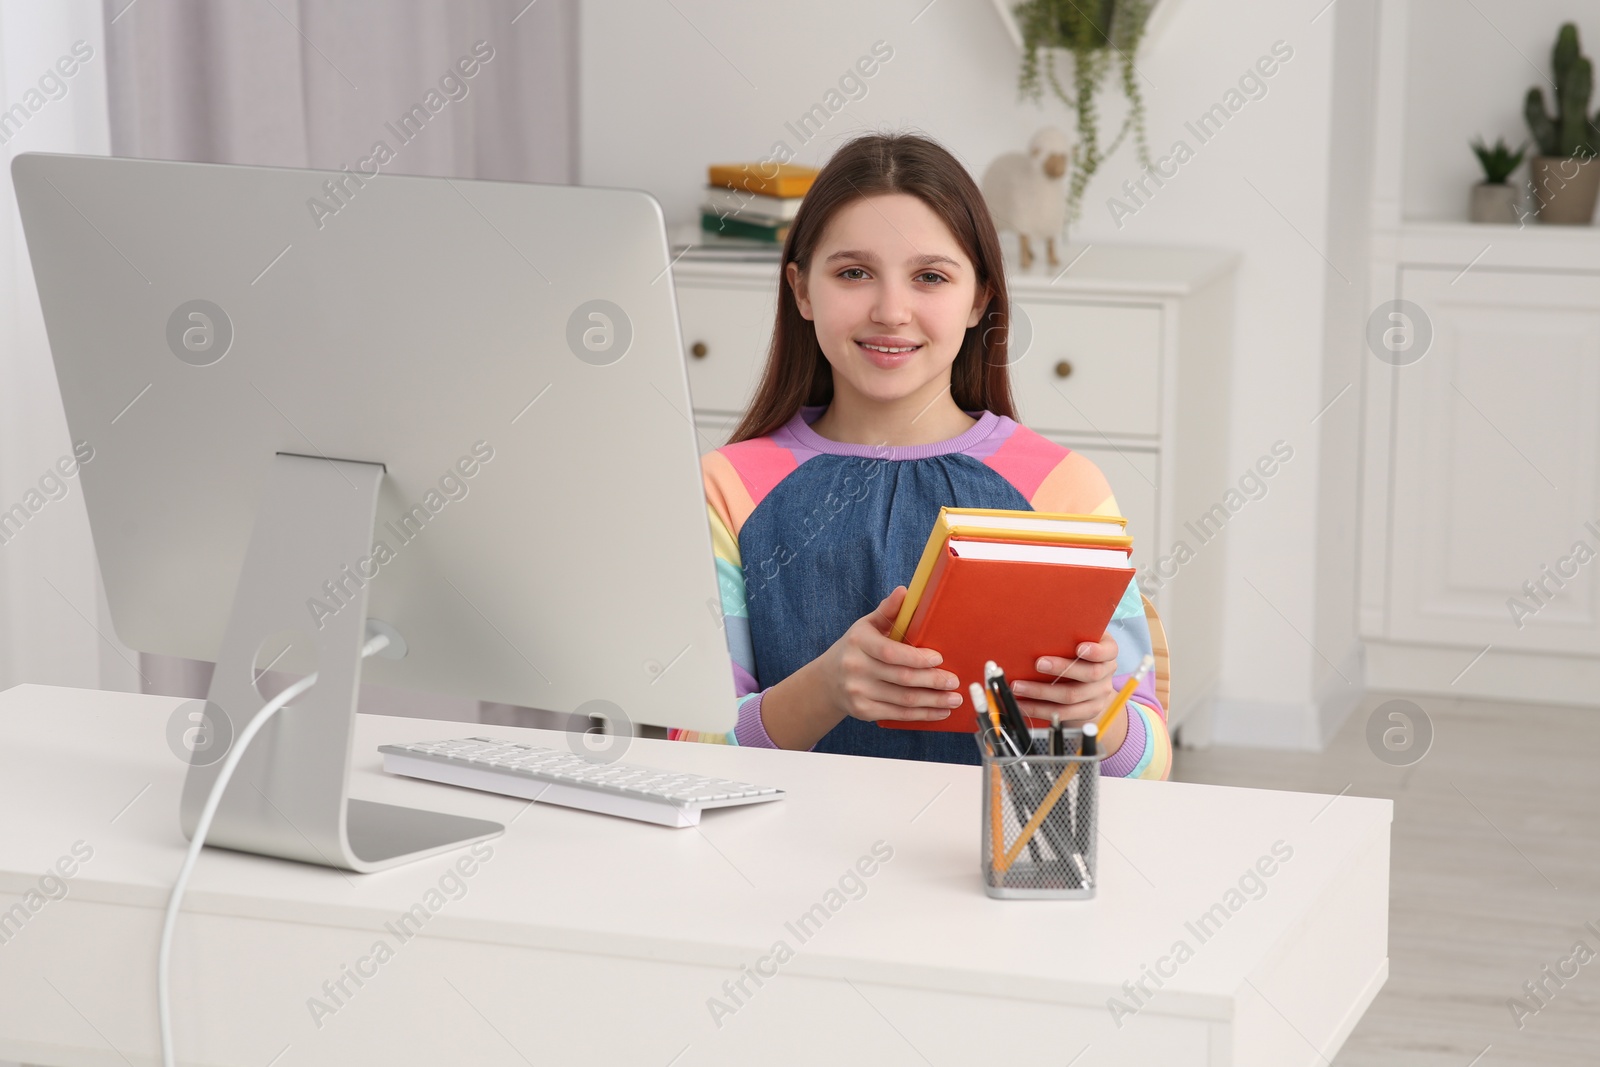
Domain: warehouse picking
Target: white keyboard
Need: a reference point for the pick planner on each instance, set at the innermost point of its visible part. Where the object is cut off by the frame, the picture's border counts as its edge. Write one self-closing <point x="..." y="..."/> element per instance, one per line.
<point x="670" y="798"/>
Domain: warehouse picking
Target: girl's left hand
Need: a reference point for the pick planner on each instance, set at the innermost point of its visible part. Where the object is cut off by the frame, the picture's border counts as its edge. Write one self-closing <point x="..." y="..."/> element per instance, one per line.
<point x="1081" y="688"/>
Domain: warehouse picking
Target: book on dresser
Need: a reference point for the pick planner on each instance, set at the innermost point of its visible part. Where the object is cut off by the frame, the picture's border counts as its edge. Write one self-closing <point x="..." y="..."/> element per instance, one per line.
<point x="754" y="201"/>
<point x="737" y="226"/>
<point x="776" y="180"/>
<point x="756" y="207"/>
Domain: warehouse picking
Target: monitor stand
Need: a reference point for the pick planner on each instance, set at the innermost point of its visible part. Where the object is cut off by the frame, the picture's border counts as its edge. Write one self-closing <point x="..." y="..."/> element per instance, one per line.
<point x="289" y="795"/>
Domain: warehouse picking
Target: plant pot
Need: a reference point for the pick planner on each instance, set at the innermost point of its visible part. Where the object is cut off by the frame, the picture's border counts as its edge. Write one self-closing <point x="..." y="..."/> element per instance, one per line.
<point x="1565" y="188"/>
<point x="1494" y="202"/>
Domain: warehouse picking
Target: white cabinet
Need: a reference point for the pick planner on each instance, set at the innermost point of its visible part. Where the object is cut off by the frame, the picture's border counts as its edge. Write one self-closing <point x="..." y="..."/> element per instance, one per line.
<point x="1126" y="359"/>
<point x="1481" y="509"/>
<point x="1480" y="463"/>
<point x="1495" y="472"/>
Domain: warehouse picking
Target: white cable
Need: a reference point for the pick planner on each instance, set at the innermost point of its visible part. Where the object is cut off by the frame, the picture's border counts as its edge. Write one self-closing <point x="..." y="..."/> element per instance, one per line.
<point x="201" y="828"/>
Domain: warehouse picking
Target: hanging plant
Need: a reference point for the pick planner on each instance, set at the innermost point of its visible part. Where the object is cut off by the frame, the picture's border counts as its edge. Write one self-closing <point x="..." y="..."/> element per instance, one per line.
<point x="1099" y="35"/>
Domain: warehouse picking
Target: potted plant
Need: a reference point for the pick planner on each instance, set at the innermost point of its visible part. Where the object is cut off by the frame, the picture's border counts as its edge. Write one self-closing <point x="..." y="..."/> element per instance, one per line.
<point x="1492" y="199"/>
<point x="1100" y="36"/>
<point x="1565" y="175"/>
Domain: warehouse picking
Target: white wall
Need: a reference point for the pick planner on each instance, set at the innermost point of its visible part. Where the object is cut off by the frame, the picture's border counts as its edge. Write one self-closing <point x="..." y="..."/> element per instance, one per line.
<point x="1468" y="69"/>
<point x="730" y="74"/>
<point x="1339" y="677"/>
<point x="54" y="627"/>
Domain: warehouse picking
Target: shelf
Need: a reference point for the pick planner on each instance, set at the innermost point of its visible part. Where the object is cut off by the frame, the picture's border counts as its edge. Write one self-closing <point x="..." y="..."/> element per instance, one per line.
<point x="687" y="241"/>
<point x="1492" y="247"/>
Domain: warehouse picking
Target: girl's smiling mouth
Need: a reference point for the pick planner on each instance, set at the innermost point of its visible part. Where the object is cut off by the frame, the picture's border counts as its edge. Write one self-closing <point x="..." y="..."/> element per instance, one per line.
<point x="886" y="351"/>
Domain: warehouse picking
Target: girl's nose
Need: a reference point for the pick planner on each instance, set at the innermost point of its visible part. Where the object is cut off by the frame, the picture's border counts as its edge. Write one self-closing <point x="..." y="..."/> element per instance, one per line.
<point x="893" y="305"/>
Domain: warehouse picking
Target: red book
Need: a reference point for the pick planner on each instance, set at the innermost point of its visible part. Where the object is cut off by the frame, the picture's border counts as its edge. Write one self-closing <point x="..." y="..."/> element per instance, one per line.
<point x="1011" y="610"/>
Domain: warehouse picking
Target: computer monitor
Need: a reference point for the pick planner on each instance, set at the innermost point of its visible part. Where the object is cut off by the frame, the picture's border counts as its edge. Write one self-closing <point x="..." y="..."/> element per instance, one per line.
<point x="456" y="408"/>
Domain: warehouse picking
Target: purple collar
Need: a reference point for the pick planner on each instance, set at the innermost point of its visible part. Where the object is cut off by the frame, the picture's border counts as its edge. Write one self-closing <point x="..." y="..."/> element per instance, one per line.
<point x="800" y="427"/>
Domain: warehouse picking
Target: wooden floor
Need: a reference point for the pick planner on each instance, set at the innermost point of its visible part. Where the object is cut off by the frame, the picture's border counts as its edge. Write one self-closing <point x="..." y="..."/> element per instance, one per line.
<point x="1495" y="868"/>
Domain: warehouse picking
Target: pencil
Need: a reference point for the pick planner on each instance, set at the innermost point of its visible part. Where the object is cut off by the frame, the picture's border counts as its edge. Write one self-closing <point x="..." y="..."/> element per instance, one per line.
<point x="1002" y="734"/>
<point x="996" y="816"/>
<point x="1040" y="813"/>
<point x="1108" y="716"/>
<point x="997" y="840"/>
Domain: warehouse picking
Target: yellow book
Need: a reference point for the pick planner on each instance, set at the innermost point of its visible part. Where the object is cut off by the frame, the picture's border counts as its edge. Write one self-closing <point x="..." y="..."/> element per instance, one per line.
<point x="783" y="179"/>
<point x="1041" y="526"/>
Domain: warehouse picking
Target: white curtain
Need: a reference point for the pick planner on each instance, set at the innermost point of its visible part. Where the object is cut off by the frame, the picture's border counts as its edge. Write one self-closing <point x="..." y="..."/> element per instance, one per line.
<point x="301" y="83"/>
<point x="312" y="83"/>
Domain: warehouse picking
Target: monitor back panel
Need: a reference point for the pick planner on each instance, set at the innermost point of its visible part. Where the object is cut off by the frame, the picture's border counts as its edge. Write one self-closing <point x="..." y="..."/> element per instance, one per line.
<point x="509" y="352"/>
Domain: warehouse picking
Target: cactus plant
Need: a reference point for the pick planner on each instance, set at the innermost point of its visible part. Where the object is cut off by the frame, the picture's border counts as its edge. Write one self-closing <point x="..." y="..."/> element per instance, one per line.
<point x="1570" y="132"/>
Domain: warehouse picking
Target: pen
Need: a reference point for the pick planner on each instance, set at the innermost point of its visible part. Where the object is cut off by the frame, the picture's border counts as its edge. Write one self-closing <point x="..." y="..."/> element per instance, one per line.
<point x="1008" y="701"/>
<point x="1034" y="785"/>
<point x="1084" y="830"/>
<point x="995" y="680"/>
<point x="980" y="706"/>
<point x="1019" y="801"/>
<point x="1061" y="830"/>
<point x="996" y="833"/>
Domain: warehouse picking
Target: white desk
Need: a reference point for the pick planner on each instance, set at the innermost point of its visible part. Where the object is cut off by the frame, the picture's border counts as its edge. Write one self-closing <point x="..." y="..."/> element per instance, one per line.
<point x="590" y="939"/>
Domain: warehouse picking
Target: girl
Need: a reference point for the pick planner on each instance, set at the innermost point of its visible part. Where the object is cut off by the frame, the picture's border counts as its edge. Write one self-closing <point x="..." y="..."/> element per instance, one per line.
<point x="885" y="396"/>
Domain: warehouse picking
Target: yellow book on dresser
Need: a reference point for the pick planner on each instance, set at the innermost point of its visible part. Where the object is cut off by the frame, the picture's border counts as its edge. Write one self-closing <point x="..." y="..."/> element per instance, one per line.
<point x="782" y="180"/>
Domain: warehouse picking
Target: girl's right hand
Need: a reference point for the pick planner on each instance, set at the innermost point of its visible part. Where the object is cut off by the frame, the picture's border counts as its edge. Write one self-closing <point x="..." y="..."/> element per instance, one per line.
<point x="872" y="677"/>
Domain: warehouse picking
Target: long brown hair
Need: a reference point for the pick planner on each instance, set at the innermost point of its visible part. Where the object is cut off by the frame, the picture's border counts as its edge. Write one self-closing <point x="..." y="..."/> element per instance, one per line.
<point x="797" y="373"/>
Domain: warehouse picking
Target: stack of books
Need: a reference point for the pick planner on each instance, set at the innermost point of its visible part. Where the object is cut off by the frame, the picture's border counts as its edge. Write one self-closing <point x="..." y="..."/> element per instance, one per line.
<point x="753" y="201"/>
<point x="1011" y="586"/>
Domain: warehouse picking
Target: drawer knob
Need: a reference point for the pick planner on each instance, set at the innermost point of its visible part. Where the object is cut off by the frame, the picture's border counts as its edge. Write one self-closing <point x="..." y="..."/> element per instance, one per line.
<point x="698" y="350"/>
<point x="1063" y="368"/>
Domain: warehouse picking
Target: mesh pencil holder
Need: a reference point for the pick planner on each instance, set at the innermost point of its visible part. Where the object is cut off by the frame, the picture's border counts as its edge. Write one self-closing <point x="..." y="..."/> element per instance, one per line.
<point x="1039" y="821"/>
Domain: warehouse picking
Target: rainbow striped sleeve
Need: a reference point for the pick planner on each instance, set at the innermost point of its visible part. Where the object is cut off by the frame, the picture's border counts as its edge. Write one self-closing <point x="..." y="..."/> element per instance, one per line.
<point x="1054" y="478"/>
<point x="728" y="503"/>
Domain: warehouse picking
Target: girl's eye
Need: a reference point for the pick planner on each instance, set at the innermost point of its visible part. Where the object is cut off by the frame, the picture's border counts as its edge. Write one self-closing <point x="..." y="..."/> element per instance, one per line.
<point x="927" y="277"/>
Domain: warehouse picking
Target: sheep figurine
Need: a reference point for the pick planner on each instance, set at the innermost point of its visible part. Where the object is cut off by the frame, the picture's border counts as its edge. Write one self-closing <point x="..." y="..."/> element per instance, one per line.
<point x="1025" y="192"/>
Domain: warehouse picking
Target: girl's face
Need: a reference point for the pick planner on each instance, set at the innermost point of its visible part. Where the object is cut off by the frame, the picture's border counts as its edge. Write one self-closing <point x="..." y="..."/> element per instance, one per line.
<point x="892" y="295"/>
